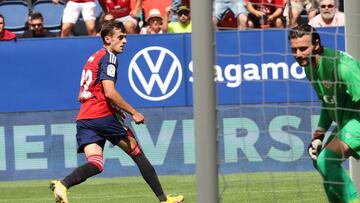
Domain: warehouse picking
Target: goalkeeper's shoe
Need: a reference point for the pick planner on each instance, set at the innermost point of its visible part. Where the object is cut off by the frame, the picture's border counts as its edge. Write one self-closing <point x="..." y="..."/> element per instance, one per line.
<point x="174" y="199"/>
<point x="59" y="190"/>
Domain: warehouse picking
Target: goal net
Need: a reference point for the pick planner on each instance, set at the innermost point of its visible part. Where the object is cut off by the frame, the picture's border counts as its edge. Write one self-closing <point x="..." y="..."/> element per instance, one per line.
<point x="266" y="115"/>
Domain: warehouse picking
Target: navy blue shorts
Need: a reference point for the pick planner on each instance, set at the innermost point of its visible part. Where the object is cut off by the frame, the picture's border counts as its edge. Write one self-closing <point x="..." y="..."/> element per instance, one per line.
<point x="99" y="130"/>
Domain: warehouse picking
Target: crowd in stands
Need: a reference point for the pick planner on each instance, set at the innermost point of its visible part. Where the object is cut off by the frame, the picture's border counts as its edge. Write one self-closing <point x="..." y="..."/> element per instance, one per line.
<point x="227" y="14"/>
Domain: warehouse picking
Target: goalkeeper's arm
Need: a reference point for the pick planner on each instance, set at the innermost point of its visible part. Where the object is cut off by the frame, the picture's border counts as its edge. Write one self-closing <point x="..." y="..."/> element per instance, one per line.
<point x="316" y="144"/>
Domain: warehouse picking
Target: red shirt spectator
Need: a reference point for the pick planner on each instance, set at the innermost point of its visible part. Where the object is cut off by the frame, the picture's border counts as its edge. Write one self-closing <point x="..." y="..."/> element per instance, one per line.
<point x="119" y="8"/>
<point x="266" y="6"/>
<point x="5" y="35"/>
<point x="265" y="13"/>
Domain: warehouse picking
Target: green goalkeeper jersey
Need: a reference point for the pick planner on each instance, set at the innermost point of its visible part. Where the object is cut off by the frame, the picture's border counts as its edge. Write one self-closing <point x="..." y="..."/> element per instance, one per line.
<point x="337" y="83"/>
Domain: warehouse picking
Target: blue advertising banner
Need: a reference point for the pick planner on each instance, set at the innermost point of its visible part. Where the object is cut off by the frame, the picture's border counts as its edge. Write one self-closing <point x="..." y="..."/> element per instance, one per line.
<point x="267" y="109"/>
<point x="156" y="70"/>
<point x="36" y="145"/>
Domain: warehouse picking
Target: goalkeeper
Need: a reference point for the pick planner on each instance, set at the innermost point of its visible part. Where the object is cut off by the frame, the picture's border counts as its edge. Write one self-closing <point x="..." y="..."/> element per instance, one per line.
<point x="335" y="77"/>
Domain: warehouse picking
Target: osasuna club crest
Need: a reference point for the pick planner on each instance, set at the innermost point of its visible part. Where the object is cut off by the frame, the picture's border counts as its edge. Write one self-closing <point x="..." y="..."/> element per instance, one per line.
<point x="327" y="84"/>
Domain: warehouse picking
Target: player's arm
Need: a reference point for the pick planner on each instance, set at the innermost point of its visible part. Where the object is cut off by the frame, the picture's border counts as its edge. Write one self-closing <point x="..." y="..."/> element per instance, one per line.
<point x="324" y="120"/>
<point x="79" y="97"/>
<point x="318" y="135"/>
<point x="349" y="72"/>
<point x="113" y="96"/>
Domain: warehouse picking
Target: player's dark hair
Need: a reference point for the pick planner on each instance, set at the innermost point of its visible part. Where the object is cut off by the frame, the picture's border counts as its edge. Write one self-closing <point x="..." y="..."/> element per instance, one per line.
<point x="36" y="15"/>
<point x="1" y="16"/>
<point x="305" y="29"/>
<point x="108" y="29"/>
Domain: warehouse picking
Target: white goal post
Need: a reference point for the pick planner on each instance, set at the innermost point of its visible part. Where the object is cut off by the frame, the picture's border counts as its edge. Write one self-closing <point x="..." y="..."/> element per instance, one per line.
<point x="352" y="40"/>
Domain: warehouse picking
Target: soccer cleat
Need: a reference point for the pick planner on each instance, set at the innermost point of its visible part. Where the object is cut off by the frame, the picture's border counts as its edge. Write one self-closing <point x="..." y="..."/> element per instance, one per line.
<point x="174" y="199"/>
<point x="59" y="190"/>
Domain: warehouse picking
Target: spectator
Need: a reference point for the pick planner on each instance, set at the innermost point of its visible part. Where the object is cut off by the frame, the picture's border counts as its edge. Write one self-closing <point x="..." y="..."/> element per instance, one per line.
<point x="121" y="9"/>
<point x="105" y="18"/>
<point x="71" y="15"/>
<point x="236" y="6"/>
<point x="154" y="22"/>
<point x="265" y="13"/>
<point x="182" y="25"/>
<point x="294" y="8"/>
<point x="175" y="4"/>
<point x="329" y="15"/>
<point x="37" y="29"/>
<point x="5" y="35"/>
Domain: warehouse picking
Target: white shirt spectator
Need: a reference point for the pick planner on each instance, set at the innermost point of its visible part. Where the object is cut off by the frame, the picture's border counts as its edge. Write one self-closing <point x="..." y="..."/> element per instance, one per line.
<point x="155" y="21"/>
<point x="329" y="15"/>
<point x="338" y="20"/>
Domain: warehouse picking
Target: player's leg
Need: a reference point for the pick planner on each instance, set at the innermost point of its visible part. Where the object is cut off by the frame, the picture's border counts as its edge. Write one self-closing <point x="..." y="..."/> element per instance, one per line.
<point x="90" y="143"/>
<point x="70" y="16"/>
<point x="93" y="166"/>
<point x="337" y="183"/>
<point x="132" y="148"/>
<point x="116" y="132"/>
<point x="328" y="190"/>
<point x="88" y="13"/>
<point x="330" y="159"/>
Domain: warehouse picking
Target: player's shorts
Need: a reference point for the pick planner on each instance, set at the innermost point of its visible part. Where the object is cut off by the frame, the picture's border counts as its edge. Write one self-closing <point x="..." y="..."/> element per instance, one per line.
<point x="99" y="130"/>
<point x="73" y="9"/>
<point x="220" y="8"/>
<point x="349" y="134"/>
<point x="126" y="19"/>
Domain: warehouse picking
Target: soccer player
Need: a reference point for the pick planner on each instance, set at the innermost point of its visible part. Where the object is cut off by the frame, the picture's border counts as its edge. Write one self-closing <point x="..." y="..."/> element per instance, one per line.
<point x="335" y="77"/>
<point x="101" y="118"/>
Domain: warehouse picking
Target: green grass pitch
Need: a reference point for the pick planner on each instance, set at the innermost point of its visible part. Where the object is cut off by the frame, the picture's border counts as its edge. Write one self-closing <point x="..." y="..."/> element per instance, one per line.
<point x="241" y="187"/>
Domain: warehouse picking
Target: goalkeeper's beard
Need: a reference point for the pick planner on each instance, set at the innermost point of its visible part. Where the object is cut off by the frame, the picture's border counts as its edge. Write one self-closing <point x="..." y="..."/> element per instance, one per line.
<point x="304" y="61"/>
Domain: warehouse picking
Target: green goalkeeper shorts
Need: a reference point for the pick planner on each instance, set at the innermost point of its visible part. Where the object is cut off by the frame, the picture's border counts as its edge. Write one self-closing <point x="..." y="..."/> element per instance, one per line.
<point x="350" y="134"/>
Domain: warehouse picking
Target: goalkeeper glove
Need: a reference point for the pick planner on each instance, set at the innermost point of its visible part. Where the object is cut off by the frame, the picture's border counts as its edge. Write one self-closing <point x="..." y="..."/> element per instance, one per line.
<point x="316" y="144"/>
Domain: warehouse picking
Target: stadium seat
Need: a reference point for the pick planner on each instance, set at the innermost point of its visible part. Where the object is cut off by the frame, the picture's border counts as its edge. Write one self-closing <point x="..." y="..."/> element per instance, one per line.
<point x="25" y="1"/>
<point x="51" y="12"/>
<point x="16" y="14"/>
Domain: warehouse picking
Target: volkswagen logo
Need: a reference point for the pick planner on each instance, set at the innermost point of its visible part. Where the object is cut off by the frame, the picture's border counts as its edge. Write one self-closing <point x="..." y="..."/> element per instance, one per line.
<point x="155" y="73"/>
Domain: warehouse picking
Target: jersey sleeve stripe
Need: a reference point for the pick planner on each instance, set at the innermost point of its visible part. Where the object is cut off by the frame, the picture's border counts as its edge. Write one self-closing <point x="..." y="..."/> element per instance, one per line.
<point x="112" y="58"/>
